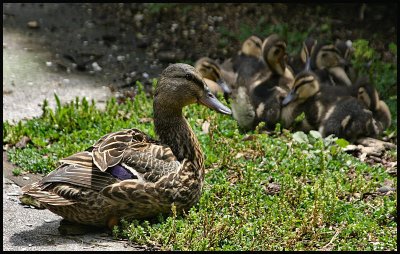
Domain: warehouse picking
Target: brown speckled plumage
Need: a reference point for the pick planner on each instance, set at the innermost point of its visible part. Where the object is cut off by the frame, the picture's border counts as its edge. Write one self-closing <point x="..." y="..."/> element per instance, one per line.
<point x="170" y="171"/>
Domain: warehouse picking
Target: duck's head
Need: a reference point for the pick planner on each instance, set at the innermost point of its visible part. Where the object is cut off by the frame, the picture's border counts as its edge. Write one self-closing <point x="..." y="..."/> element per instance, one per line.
<point x="209" y="69"/>
<point x="367" y="94"/>
<point x="180" y="85"/>
<point x="325" y="56"/>
<point x="274" y="53"/>
<point x="305" y="85"/>
<point x="252" y="46"/>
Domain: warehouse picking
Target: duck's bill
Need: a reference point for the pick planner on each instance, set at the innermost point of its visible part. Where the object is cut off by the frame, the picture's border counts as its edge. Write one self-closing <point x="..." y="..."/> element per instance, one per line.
<point x="212" y="102"/>
<point x="224" y="86"/>
<point x="339" y="73"/>
<point x="289" y="98"/>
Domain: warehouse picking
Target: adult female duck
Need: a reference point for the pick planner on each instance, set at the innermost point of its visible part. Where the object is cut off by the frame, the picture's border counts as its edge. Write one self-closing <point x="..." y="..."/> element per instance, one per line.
<point x="127" y="174"/>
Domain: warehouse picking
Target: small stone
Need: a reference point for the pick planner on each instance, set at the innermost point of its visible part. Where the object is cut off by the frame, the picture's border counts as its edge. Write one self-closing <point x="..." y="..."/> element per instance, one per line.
<point x="385" y="189"/>
<point x="30" y="245"/>
<point x="66" y="81"/>
<point x="120" y="58"/>
<point x="25" y="178"/>
<point x="138" y="17"/>
<point x="48" y="221"/>
<point x="49" y="64"/>
<point x="96" y="66"/>
<point x="33" y="24"/>
<point x="145" y="75"/>
<point x="30" y="83"/>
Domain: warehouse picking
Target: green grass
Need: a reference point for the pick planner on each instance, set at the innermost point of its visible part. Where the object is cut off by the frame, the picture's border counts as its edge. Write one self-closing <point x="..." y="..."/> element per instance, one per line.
<point x="279" y="191"/>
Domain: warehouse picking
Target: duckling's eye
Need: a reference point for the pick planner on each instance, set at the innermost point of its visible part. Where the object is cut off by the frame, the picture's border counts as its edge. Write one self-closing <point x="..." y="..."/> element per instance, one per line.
<point x="189" y="77"/>
<point x="276" y="52"/>
<point x="324" y="55"/>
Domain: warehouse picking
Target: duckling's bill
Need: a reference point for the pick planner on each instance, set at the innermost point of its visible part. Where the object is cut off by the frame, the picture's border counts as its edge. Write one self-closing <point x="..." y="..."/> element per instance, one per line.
<point x="209" y="100"/>
<point x="289" y="98"/>
<point x="224" y="86"/>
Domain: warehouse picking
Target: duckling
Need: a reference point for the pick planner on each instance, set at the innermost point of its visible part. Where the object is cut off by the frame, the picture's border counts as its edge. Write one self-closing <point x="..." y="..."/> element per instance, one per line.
<point x="367" y="94"/>
<point x="246" y="61"/>
<point x="328" y="109"/>
<point x="261" y="84"/>
<point x="211" y="73"/>
<point x="127" y="174"/>
<point x="238" y="70"/>
<point x="272" y="84"/>
<point x="349" y="119"/>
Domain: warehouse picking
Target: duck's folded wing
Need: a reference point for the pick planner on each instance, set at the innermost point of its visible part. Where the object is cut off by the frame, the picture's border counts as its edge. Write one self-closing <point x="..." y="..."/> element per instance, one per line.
<point x="147" y="165"/>
<point x="77" y="175"/>
<point x="135" y="151"/>
<point x="65" y="185"/>
<point x="109" y="150"/>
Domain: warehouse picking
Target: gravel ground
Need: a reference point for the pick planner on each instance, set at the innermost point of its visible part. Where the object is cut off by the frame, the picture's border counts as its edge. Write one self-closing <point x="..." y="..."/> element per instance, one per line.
<point x="26" y="229"/>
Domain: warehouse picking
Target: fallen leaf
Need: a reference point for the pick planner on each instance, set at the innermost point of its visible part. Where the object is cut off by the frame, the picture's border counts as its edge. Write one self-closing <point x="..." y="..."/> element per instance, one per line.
<point x="23" y="142"/>
<point x="272" y="188"/>
<point x="145" y="120"/>
<point x="249" y="137"/>
<point x="239" y="155"/>
<point x="205" y="127"/>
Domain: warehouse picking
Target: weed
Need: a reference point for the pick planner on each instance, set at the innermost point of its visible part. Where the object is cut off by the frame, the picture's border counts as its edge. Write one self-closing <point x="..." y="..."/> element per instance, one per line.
<point x="16" y="171"/>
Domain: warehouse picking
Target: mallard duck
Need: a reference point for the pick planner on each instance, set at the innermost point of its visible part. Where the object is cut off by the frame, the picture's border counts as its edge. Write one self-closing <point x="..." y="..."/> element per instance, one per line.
<point x="237" y="70"/>
<point x="349" y="119"/>
<point x="127" y="174"/>
<point x="245" y="63"/>
<point x="271" y="85"/>
<point x="367" y="94"/>
<point x="211" y="73"/>
<point x="328" y="109"/>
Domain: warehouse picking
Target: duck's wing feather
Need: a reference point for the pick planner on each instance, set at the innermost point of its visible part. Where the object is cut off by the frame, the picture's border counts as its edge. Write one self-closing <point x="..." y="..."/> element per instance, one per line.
<point x="64" y="185"/>
<point x="142" y="156"/>
<point x="109" y="150"/>
<point x="87" y="177"/>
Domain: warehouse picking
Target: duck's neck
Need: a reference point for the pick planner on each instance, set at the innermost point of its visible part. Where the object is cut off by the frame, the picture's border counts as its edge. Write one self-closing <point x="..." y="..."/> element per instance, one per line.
<point x="174" y="131"/>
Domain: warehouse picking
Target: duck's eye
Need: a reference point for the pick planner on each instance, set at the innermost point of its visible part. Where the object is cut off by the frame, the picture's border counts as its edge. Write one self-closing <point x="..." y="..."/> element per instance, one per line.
<point x="324" y="55"/>
<point x="276" y="52"/>
<point x="189" y="77"/>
